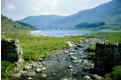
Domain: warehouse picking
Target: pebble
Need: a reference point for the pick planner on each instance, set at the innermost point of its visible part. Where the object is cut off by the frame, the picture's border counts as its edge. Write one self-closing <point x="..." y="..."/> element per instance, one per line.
<point x="17" y="75"/>
<point x="72" y="53"/>
<point x="29" y="78"/>
<point x="86" y="78"/>
<point x="43" y="75"/>
<point x="38" y="70"/>
<point x="70" y="66"/>
<point x="73" y="58"/>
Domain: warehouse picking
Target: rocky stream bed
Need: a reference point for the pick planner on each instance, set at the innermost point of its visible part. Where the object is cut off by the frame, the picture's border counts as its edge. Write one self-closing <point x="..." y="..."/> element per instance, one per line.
<point x="67" y="64"/>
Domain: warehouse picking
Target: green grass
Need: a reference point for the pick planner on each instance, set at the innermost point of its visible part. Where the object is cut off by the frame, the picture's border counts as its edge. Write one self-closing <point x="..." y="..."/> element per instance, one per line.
<point x="9" y="26"/>
<point x="112" y="37"/>
<point x="35" y="47"/>
<point x="115" y="74"/>
<point x="7" y="69"/>
<point x="92" y="47"/>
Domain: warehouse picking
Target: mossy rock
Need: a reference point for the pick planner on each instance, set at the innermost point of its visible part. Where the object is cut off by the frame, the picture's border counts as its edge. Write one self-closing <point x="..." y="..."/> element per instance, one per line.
<point x="91" y="55"/>
<point x="92" y="47"/>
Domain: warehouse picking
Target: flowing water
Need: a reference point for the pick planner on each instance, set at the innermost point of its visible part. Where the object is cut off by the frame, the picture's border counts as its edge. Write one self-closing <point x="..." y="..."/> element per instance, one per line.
<point x="65" y="64"/>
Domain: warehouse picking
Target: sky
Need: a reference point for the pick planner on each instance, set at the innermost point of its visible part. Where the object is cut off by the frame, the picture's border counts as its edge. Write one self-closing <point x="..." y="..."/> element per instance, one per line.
<point x="19" y="9"/>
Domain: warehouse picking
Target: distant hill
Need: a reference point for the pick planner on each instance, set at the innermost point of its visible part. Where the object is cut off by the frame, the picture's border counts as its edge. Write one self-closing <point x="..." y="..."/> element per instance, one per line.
<point x="43" y="21"/>
<point x="25" y="24"/>
<point x="110" y="13"/>
<point x="10" y="26"/>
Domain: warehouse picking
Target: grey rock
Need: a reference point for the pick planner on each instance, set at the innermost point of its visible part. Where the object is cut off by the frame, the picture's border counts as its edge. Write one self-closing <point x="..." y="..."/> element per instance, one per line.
<point x="96" y="77"/>
<point x="70" y="66"/>
<point x="43" y="76"/>
<point x="18" y="75"/>
<point x="29" y="78"/>
<point x="86" y="78"/>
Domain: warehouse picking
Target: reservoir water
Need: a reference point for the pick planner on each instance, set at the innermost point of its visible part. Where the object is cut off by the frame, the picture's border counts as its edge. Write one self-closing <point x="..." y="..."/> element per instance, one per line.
<point x="61" y="33"/>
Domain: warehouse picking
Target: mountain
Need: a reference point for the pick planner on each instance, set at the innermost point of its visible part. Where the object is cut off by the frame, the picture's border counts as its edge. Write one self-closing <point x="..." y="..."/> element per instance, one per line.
<point x="27" y="25"/>
<point x="10" y="26"/>
<point x="110" y="13"/>
<point x="43" y="21"/>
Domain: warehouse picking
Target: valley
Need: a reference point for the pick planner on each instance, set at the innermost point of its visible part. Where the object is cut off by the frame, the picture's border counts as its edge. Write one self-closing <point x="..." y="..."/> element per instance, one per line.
<point x="82" y="46"/>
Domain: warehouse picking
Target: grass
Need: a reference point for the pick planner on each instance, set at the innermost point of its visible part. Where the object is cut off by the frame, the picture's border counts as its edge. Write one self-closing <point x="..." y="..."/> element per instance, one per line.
<point x="112" y="37"/>
<point x="115" y="74"/>
<point x="9" y="26"/>
<point x="92" y="47"/>
<point x="35" y="47"/>
<point x="7" y="69"/>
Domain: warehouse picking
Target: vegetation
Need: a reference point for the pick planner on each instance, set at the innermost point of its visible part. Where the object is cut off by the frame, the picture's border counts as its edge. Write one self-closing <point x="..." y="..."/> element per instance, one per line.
<point x="91" y="55"/>
<point x="25" y="24"/>
<point x="7" y="69"/>
<point x="9" y="26"/>
<point x="115" y="74"/>
<point x="90" y="25"/>
<point x="91" y="51"/>
<point x="92" y="47"/>
<point x="112" y="37"/>
<point x="35" y="47"/>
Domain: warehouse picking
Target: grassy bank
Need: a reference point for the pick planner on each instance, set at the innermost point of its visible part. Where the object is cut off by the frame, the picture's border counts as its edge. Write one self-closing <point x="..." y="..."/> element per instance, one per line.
<point x="35" y="47"/>
<point x="112" y="37"/>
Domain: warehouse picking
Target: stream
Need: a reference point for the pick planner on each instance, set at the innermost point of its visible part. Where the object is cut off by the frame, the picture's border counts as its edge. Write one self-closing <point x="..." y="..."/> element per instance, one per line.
<point x="66" y="64"/>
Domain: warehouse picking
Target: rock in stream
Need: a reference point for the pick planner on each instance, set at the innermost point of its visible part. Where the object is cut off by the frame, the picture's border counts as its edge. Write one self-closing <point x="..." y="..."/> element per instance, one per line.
<point x="67" y="64"/>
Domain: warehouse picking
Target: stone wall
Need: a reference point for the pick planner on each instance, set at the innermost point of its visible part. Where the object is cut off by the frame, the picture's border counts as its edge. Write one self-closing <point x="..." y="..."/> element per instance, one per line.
<point x="10" y="50"/>
<point x="107" y="56"/>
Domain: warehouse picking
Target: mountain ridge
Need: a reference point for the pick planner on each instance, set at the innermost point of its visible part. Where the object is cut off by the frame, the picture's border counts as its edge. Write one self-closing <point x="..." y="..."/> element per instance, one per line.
<point x="107" y="12"/>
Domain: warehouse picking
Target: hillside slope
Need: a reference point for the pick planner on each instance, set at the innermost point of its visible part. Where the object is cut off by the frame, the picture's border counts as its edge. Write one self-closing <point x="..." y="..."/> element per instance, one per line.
<point x="109" y="12"/>
<point x="9" y="26"/>
<point x="43" y="21"/>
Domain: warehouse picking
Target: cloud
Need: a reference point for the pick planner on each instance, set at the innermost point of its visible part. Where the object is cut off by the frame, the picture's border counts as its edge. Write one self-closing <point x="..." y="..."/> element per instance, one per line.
<point x="18" y="9"/>
<point x="10" y="6"/>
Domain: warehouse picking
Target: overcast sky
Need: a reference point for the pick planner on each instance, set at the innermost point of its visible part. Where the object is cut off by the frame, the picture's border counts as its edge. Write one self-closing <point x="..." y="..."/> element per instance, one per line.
<point x="19" y="9"/>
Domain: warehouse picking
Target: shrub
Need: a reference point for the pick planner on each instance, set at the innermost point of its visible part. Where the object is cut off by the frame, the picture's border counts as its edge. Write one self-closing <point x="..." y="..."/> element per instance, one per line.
<point x="115" y="74"/>
<point x="91" y="55"/>
<point x="92" y="47"/>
